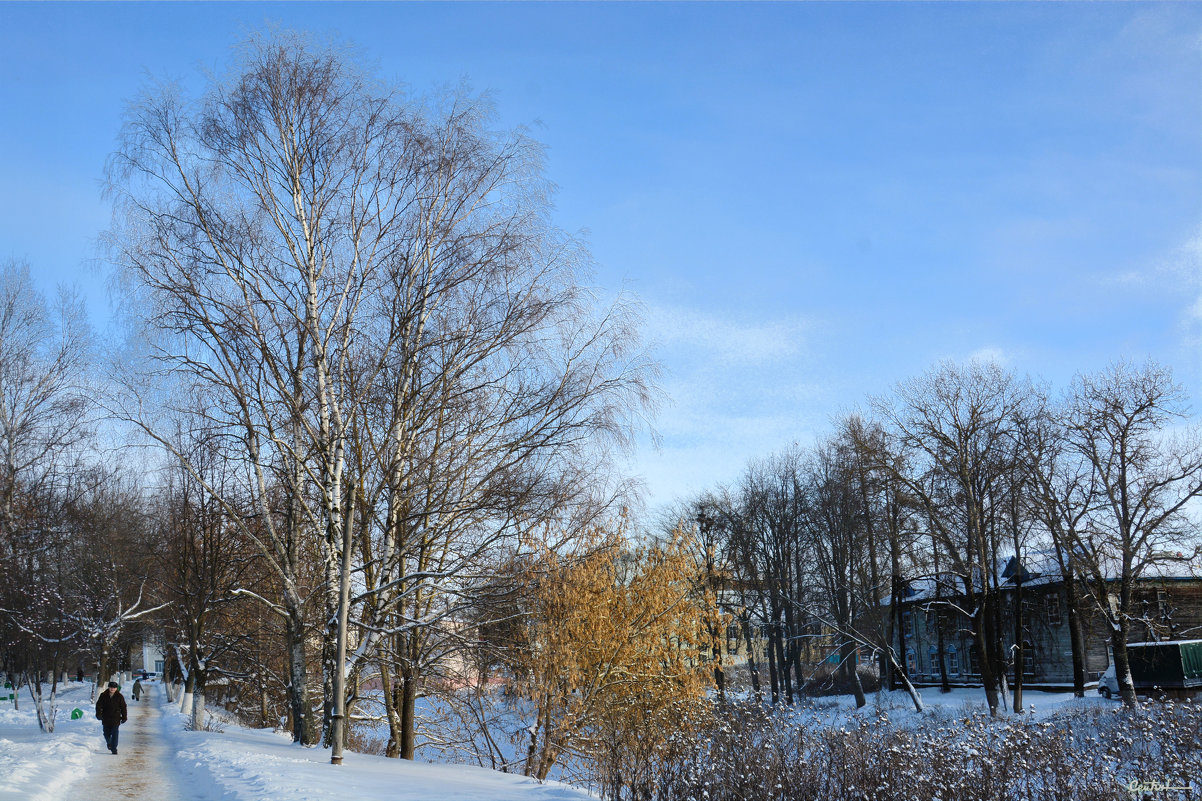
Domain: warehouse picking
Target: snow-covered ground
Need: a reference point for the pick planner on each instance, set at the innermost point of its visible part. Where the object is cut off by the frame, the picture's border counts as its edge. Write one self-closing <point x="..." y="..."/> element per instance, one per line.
<point x="1035" y="702"/>
<point x="159" y="759"/>
<point x="40" y="767"/>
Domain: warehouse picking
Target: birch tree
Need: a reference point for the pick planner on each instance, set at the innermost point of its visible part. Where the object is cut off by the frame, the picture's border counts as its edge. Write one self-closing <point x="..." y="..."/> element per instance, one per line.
<point x="44" y="353"/>
<point x="44" y="422"/>
<point x="367" y="293"/>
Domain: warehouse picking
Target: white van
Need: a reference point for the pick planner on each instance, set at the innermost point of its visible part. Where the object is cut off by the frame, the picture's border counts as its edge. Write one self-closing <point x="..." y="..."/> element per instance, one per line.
<point x="1108" y="685"/>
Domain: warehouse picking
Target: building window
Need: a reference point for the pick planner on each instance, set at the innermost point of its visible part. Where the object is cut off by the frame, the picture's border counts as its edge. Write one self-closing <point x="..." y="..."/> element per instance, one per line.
<point x="953" y="661"/>
<point x="933" y="653"/>
<point x="974" y="661"/>
<point x="908" y="623"/>
<point x="1054" y="610"/>
<point x="1028" y="658"/>
<point x="911" y="662"/>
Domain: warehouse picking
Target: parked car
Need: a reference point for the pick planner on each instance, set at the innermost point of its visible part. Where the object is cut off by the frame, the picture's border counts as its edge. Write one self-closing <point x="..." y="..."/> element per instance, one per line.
<point x="1108" y="685"/>
<point x="1173" y="668"/>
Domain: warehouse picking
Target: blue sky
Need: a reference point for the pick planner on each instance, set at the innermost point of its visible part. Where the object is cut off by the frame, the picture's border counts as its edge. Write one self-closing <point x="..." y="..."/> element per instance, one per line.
<point x="814" y="201"/>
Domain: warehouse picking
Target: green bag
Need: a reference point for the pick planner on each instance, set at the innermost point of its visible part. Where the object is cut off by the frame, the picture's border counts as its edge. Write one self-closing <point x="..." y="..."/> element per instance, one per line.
<point x="76" y="714"/>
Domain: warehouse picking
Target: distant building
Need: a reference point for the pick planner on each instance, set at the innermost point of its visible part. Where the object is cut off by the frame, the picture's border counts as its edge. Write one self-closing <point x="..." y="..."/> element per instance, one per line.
<point x="1167" y="605"/>
<point x="149" y="653"/>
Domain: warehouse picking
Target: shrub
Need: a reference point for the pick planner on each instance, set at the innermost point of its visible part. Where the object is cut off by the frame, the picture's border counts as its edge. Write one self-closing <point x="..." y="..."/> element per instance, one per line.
<point x="744" y="752"/>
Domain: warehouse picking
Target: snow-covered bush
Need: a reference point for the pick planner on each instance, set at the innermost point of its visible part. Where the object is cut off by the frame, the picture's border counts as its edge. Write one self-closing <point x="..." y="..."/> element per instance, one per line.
<point x="746" y="752"/>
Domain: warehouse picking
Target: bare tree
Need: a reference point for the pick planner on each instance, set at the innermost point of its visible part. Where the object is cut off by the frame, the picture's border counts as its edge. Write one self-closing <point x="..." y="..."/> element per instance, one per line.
<point x="1145" y="476"/>
<point x="725" y="556"/>
<point x="203" y="562"/>
<point x="838" y="538"/>
<point x="43" y="396"/>
<point x="368" y="295"/>
<point x="107" y="591"/>
<point x="44" y="351"/>
<point x="889" y="523"/>
<point x="1062" y="494"/>
<point x="770" y="556"/>
<point x="957" y="425"/>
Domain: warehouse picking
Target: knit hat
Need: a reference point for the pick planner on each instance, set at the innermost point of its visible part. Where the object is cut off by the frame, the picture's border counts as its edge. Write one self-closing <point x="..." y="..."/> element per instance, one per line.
<point x="113" y="684"/>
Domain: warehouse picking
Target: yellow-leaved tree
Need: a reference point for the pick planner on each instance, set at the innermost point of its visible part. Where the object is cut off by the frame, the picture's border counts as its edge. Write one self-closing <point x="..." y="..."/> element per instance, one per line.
<point x="610" y="656"/>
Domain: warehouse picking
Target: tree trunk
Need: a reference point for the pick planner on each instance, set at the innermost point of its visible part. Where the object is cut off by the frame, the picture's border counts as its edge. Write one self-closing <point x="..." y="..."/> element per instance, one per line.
<point x="899" y="664"/>
<point x="185" y="701"/>
<point x="329" y="650"/>
<point x="392" y="701"/>
<point x="983" y="658"/>
<point x="792" y="655"/>
<point x="1019" y="657"/>
<point x="773" y="673"/>
<point x="1077" y="641"/>
<point x="1122" y="666"/>
<point x="997" y="651"/>
<point x="719" y="675"/>
<point x="264" y="715"/>
<point x="408" y="711"/>
<point x="945" y="684"/>
<point x="1075" y="633"/>
<point x="103" y="676"/>
<point x="782" y="662"/>
<point x="915" y="696"/>
<point x="198" y="708"/>
<point x="340" y="730"/>
<point x="850" y="659"/>
<point x="303" y="730"/>
<point x="752" y="665"/>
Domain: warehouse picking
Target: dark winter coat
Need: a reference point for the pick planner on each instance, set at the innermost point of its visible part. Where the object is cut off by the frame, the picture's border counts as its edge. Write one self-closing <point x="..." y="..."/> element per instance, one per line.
<point x="110" y="708"/>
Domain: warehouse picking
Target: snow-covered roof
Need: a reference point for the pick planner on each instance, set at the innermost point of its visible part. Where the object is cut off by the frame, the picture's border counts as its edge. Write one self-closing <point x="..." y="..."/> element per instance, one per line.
<point x="1040" y="568"/>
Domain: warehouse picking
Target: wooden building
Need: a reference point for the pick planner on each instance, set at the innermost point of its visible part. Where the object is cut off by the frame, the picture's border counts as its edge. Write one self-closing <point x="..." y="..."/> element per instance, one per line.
<point x="1167" y="606"/>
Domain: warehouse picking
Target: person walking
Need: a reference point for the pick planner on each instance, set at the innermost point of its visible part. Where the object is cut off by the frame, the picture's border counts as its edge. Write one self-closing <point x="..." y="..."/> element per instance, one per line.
<point x="111" y="712"/>
<point x="137" y="688"/>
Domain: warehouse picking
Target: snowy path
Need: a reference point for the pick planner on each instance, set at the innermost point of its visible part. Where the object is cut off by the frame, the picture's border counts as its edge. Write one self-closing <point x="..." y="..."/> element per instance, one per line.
<point x="162" y="761"/>
<point x="143" y="768"/>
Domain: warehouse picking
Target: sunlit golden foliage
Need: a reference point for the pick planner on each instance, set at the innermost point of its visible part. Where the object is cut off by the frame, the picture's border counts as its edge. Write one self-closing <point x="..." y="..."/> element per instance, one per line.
<point x="612" y="646"/>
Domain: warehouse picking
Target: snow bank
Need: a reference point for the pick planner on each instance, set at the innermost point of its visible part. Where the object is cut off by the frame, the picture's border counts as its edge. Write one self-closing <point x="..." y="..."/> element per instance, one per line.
<point x="39" y="767"/>
<point x="240" y="764"/>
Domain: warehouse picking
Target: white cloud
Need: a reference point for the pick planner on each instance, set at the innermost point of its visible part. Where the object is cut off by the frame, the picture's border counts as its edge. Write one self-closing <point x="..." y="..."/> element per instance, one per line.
<point x="726" y="340"/>
<point x="739" y="390"/>
<point x="990" y="354"/>
<point x="1188" y="260"/>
